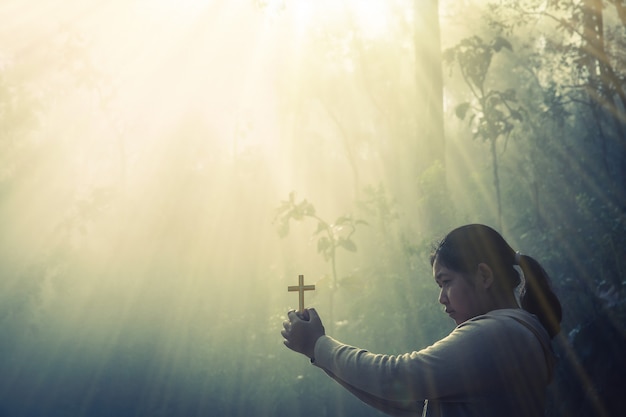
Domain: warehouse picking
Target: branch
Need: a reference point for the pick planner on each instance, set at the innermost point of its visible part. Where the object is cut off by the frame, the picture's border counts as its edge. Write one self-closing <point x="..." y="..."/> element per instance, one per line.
<point x="611" y="77"/>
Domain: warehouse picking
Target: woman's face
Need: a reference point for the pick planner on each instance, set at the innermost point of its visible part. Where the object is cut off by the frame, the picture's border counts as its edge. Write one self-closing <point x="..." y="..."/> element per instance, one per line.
<point x="460" y="295"/>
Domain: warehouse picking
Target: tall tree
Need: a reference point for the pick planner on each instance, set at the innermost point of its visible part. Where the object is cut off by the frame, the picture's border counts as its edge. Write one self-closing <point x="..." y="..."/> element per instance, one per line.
<point x="586" y="42"/>
<point x="380" y="96"/>
<point x="492" y="111"/>
<point x="422" y="151"/>
<point x="429" y="80"/>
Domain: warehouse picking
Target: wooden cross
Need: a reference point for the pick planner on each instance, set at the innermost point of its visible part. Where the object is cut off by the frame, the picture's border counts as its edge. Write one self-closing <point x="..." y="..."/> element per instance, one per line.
<point x="301" y="288"/>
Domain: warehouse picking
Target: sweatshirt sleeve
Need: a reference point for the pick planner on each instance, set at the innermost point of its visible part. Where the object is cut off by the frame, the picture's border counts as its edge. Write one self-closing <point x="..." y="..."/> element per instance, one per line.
<point x="389" y="377"/>
<point x="389" y="407"/>
<point x="470" y="359"/>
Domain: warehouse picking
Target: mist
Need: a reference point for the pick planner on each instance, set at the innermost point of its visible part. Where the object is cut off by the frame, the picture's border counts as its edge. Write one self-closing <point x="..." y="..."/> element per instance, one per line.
<point x="168" y="170"/>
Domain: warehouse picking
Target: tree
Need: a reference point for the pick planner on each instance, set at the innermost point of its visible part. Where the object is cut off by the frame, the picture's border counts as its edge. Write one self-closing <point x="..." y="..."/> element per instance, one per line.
<point x="585" y="40"/>
<point x="569" y="56"/>
<point x="377" y="98"/>
<point x="493" y="112"/>
<point x="330" y="236"/>
<point x="429" y="77"/>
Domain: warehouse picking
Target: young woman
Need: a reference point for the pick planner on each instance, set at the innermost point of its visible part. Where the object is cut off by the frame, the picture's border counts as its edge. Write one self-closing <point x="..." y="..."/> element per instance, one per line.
<point x="498" y="361"/>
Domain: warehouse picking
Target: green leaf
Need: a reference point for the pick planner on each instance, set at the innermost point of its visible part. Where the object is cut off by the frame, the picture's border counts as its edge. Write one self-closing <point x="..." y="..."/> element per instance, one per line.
<point x="323" y="244"/>
<point x="347" y="244"/>
<point x="309" y="209"/>
<point x="448" y="55"/>
<point x="500" y="43"/>
<point x="517" y="115"/>
<point x="321" y="227"/>
<point x="509" y="95"/>
<point x="461" y="110"/>
<point x="343" y="220"/>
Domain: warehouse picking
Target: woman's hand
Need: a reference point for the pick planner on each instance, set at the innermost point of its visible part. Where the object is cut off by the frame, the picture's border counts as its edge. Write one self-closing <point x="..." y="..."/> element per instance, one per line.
<point x="302" y="331"/>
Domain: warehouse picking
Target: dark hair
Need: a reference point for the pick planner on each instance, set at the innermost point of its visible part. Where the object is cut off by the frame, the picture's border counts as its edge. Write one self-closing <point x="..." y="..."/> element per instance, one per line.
<point x="467" y="246"/>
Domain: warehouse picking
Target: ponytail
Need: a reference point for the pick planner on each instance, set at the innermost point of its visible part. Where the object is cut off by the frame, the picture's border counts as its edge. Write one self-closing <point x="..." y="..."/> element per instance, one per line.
<point x="537" y="296"/>
<point x="467" y="246"/>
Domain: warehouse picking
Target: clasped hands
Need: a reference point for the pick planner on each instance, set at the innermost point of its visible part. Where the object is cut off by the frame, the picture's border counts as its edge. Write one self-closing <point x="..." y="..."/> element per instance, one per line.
<point x="301" y="331"/>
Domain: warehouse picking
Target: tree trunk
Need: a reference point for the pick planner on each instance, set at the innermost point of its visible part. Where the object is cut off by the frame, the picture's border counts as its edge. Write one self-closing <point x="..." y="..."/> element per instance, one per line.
<point x="429" y="79"/>
<point x="604" y="86"/>
<point x="496" y="179"/>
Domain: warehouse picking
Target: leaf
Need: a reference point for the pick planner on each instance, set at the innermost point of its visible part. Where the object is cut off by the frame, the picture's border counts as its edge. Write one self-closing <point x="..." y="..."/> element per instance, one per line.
<point x="509" y="95"/>
<point x="343" y="220"/>
<point x="461" y="110"/>
<point x="321" y="227"/>
<point x="491" y="103"/>
<point x="500" y="43"/>
<point x="282" y="210"/>
<point x="309" y="209"/>
<point x="347" y="244"/>
<point x="323" y="244"/>
<point x="448" y="55"/>
<point x="517" y="115"/>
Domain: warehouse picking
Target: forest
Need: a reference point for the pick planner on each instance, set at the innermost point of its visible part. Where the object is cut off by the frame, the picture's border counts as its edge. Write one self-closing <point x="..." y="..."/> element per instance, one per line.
<point x="169" y="168"/>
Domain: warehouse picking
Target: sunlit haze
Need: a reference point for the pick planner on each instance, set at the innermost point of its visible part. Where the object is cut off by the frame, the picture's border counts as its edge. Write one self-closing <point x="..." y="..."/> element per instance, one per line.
<point x="155" y="141"/>
<point x="168" y="168"/>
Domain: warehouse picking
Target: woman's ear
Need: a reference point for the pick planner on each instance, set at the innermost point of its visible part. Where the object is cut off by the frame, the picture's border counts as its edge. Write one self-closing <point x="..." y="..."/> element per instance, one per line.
<point x="484" y="275"/>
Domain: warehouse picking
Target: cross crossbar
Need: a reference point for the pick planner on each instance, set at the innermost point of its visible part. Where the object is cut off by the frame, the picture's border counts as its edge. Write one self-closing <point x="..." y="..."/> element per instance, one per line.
<point x="301" y="288"/>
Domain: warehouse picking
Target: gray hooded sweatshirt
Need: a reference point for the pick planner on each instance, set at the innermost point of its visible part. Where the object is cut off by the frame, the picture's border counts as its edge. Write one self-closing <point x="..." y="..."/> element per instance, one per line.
<point x="497" y="364"/>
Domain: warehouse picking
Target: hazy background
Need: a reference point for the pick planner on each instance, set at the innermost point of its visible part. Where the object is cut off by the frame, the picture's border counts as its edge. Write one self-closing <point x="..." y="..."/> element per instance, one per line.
<point x="168" y="168"/>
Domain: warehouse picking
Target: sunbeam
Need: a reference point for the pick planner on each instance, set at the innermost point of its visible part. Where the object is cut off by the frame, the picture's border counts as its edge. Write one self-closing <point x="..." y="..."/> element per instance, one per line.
<point x="169" y="168"/>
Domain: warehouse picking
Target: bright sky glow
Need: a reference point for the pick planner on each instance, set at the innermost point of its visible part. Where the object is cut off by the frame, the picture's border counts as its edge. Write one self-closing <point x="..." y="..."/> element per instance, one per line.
<point x="145" y="146"/>
<point x="145" y="92"/>
<point x="369" y="15"/>
<point x="168" y="133"/>
<point x="174" y="8"/>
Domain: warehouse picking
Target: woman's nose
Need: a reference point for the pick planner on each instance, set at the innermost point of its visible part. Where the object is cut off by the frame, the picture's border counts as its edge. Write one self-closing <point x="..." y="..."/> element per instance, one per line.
<point x="443" y="298"/>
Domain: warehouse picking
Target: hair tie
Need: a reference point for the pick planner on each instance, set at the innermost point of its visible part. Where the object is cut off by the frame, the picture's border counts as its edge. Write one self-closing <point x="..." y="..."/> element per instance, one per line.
<point x="518" y="256"/>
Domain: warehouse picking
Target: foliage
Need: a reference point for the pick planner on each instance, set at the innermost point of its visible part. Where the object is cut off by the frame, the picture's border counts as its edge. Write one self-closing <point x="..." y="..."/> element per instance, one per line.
<point x="333" y="235"/>
<point x="566" y="174"/>
<point x="160" y="290"/>
<point x="495" y="111"/>
<point x="579" y="51"/>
